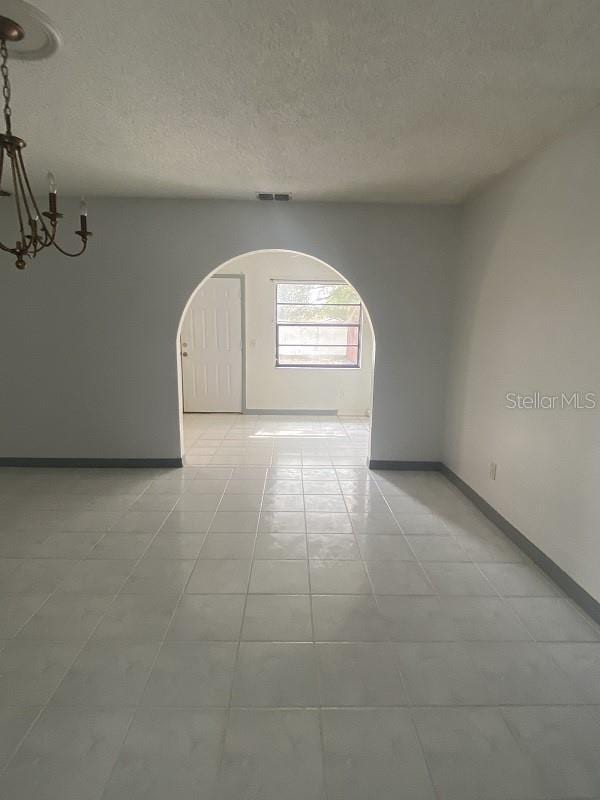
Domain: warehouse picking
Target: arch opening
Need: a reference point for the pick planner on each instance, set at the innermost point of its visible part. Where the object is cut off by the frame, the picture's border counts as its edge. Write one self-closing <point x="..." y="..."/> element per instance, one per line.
<point x="271" y="387"/>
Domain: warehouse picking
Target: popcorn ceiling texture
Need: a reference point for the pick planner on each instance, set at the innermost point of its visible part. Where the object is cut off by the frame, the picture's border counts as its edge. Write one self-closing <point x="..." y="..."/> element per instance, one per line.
<point x="394" y="100"/>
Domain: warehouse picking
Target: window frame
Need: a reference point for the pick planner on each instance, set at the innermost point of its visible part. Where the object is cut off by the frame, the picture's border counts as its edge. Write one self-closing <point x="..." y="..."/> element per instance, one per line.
<point x="358" y="325"/>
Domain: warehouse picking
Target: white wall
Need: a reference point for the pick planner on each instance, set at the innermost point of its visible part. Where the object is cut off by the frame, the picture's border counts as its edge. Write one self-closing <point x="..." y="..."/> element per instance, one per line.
<point x="88" y="355"/>
<point x="528" y="319"/>
<point x="347" y="391"/>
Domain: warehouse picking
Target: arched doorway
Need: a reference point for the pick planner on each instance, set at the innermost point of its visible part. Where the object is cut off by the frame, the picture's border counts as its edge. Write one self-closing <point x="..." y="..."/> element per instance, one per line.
<point x="321" y="387"/>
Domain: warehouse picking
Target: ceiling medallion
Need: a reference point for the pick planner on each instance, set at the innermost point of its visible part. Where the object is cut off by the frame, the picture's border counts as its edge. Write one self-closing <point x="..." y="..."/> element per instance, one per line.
<point x="34" y="233"/>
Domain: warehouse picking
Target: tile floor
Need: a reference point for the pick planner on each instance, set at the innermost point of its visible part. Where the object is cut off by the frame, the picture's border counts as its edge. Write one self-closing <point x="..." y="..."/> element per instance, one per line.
<point x="276" y="622"/>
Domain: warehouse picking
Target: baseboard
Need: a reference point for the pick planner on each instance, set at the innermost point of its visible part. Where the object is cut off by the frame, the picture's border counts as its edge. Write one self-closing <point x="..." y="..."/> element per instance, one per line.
<point x="569" y="586"/>
<point x="417" y="466"/>
<point x="292" y="412"/>
<point x="91" y="462"/>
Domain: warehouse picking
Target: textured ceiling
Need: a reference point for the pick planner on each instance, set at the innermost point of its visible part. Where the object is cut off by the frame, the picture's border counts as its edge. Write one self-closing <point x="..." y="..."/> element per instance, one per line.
<point x="403" y="100"/>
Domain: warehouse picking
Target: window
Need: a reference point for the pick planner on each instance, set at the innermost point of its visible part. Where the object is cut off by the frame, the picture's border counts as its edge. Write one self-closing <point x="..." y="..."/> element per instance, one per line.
<point x="317" y="325"/>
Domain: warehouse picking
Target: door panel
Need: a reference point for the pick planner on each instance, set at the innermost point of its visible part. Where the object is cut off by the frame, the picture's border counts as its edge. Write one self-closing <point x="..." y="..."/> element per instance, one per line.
<point x="211" y="336"/>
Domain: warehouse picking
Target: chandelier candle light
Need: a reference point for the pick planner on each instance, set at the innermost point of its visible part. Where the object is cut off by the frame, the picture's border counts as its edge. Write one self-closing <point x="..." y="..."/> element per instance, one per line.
<point x="34" y="233"/>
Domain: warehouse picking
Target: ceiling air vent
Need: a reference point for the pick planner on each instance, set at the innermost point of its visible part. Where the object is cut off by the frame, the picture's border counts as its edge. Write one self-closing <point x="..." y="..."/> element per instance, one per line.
<point x="270" y="196"/>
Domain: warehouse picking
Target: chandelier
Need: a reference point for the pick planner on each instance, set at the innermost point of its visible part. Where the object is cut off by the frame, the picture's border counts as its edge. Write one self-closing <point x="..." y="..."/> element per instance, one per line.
<point x="36" y="230"/>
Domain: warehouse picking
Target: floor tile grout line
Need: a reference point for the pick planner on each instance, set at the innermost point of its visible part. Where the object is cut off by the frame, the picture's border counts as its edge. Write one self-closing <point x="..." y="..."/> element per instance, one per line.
<point x="83" y="646"/>
<point x="545" y="646"/>
<point x="28" y="620"/>
<point x="470" y="559"/>
<point x="78" y="653"/>
<point x="435" y="593"/>
<point x="234" y="673"/>
<point x="519" y="744"/>
<point x="583" y="706"/>
<point x="46" y="705"/>
<point x="159" y="649"/>
<point x="437" y="793"/>
<point x="409" y="641"/>
<point x="502" y="598"/>
<point x="138" y="705"/>
<point x="153" y="537"/>
<point x="319" y="682"/>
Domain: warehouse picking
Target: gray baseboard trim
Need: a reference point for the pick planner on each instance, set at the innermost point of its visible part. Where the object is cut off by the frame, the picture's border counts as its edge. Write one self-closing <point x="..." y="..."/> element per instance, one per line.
<point x="92" y="462"/>
<point x="571" y="588"/>
<point x="292" y="412"/>
<point x="419" y="466"/>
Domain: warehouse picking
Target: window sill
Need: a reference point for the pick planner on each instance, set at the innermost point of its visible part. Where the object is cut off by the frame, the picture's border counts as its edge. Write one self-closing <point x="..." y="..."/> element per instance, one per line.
<point x="317" y="366"/>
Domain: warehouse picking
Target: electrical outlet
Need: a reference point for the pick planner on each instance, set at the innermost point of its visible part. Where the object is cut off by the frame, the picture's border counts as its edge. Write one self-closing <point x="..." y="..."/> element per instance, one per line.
<point x="493" y="468"/>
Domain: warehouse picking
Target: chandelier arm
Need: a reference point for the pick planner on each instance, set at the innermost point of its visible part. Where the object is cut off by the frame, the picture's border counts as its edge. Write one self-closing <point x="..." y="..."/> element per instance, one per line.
<point x="26" y="245"/>
<point x="29" y="241"/>
<point x="66" y="252"/>
<point x="8" y="249"/>
<point x="17" y="199"/>
<point x="38" y="245"/>
<point x="19" y="169"/>
<point x="49" y="235"/>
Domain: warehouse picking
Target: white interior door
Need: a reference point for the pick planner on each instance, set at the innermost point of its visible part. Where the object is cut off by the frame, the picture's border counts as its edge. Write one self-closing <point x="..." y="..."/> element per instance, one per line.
<point x="211" y="348"/>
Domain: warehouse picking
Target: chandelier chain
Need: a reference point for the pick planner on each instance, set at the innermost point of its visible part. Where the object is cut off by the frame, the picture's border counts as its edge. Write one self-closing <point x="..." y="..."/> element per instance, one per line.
<point x="5" y="83"/>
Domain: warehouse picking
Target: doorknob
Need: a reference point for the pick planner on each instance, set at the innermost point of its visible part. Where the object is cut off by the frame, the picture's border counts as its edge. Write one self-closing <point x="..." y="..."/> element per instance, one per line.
<point x="184" y="355"/>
